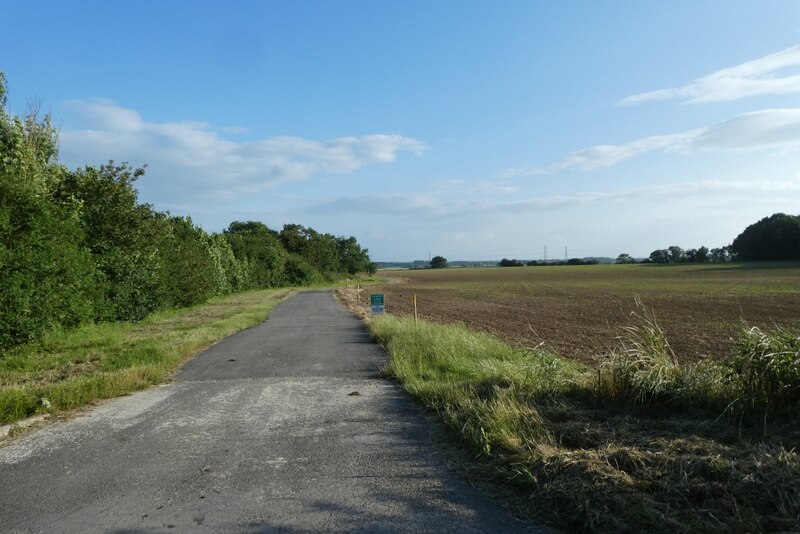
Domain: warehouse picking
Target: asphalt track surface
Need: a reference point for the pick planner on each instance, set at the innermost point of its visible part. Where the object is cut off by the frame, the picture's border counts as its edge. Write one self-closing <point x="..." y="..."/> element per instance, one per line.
<point x="283" y="427"/>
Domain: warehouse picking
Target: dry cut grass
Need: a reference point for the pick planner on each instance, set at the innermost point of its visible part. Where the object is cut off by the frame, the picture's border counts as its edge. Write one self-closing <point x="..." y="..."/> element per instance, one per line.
<point x="645" y="442"/>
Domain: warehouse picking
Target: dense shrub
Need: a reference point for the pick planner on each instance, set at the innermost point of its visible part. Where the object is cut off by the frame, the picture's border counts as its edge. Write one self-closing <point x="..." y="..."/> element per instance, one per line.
<point x="48" y="279"/>
<point x="78" y="246"/>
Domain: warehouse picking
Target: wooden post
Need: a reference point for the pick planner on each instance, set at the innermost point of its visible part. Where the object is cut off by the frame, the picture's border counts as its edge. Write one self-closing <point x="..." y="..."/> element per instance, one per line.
<point x="414" y="298"/>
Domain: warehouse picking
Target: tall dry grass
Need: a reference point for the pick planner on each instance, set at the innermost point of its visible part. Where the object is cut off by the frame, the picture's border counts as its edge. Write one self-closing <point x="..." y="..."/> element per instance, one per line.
<point x="642" y="444"/>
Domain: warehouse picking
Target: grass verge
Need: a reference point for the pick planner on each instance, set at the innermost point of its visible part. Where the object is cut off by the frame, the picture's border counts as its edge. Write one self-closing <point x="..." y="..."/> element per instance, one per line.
<point x="582" y="453"/>
<point x="67" y="370"/>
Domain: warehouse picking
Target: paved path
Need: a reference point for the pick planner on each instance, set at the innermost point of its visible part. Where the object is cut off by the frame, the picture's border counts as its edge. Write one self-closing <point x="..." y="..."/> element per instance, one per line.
<point x="260" y="433"/>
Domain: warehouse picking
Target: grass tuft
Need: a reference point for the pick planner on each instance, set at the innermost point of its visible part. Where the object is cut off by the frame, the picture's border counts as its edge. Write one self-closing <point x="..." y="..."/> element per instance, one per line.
<point x="643" y="368"/>
<point x="769" y="366"/>
<point x="543" y="431"/>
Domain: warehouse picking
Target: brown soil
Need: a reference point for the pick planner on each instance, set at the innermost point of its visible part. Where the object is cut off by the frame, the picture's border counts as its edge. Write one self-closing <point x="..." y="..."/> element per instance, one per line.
<point x="583" y="320"/>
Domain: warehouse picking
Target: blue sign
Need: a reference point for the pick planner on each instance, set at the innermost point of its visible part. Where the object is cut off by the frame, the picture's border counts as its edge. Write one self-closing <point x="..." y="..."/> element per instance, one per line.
<point x="376" y="300"/>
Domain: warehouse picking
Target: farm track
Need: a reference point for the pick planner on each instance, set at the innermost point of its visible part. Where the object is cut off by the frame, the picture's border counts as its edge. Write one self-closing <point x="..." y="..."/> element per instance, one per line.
<point x="579" y="311"/>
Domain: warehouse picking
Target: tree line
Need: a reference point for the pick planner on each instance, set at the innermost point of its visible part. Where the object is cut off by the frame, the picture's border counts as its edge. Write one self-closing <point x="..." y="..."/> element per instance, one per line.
<point x="77" y="246"/>
<point x="773" y="238"/>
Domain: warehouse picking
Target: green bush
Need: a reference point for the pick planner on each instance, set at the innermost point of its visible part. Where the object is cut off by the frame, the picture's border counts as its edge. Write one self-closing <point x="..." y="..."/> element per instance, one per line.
<point x="298" y="271"/>
<point x="78" y="246"/>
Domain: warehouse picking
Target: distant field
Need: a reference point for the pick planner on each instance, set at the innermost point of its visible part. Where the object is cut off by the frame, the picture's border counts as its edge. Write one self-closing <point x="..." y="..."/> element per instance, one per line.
<point x="578" y="311"/>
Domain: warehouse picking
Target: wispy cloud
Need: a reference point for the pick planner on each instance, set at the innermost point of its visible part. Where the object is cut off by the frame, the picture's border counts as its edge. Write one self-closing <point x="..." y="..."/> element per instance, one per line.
<point x="759" y="130"/>
<point x="660" y="192"/>
<point x="432" y="207"/>
<point x="775" y="74"/>
<point x="484" y="188"/>
<point x="197" y="154"/>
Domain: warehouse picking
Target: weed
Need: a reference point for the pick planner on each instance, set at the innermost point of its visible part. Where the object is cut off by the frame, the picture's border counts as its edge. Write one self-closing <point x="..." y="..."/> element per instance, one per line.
<point x="769" y="366"/>
<point x="643" y="369"/>
<point x="541" y="429"/>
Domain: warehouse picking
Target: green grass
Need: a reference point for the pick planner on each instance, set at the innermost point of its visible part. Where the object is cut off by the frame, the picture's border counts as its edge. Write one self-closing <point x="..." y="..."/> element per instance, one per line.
<point x="67" y="370"/>
<point x="644" y="444"/>
<point x="476" y="382"/>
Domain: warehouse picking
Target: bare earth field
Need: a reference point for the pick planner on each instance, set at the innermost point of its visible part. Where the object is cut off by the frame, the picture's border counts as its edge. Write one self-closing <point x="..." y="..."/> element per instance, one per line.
<point x="578" y="311"/>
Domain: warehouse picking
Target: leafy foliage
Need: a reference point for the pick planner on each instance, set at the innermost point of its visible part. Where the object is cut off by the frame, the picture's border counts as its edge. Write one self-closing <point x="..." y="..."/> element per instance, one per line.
<point x="438" y="262"/>
<point x="47" y="279"/>
<point x="77" y="246"/>
<point x="776" y="237"/>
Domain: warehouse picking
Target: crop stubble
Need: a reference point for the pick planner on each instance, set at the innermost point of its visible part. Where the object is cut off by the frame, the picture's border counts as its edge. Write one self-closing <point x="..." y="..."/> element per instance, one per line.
<point x="577" y="311"/>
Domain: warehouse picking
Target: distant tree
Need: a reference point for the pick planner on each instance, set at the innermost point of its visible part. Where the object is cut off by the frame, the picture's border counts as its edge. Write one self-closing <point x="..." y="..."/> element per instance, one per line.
<point x="722" y="254"/>
<point x="438" y="262"/>
<point x="659" y="256"/>
<point x="702" y="255"/>
<point x="776" y="237"/>
<point x="625" y="258"/>
<point x="510" y="263"/>
<point x="352" y="257"/>
<point x="676" y="254"/>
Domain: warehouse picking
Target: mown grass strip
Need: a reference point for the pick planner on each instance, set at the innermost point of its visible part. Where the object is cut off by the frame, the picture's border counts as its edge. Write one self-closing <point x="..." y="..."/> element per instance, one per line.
<point x="543" y="427"/>
<point x="67" y="370"/>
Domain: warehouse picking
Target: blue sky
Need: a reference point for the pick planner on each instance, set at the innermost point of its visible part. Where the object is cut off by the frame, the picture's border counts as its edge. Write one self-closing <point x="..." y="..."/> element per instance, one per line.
<point x="474" y="130"/>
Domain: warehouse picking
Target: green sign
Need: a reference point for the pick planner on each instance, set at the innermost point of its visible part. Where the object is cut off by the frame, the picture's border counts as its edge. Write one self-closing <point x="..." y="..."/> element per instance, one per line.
<point x="376" y="300"/>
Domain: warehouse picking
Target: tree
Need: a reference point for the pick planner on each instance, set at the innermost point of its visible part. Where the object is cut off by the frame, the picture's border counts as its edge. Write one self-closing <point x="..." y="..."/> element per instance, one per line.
<point x="676" y="254"/>
<point x="123" y="236"/>
<point x="189" y="273"/>
<point x="659" y="256"/>
<point x="352" y="258"/>
<point x="720" y="254"/>
<point x="776" y="237"/>
<point x="625" y="258"/>
<point x="505" y="262"/>
<point x="438" y="262"/>
<point x="47" y="279"/>
<point x="261" y="249"/>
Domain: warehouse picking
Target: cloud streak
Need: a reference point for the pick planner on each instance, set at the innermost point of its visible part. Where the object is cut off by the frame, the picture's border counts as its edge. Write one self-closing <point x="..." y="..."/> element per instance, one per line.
<point x="197" y="154"/>
<point x="431" y="207"/>
<point x="759" y="130"/>
<point x="763" y="76"/>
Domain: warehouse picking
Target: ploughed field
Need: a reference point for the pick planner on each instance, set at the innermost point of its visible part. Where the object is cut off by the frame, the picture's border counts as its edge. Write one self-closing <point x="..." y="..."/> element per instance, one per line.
<point x="578" y="311"/>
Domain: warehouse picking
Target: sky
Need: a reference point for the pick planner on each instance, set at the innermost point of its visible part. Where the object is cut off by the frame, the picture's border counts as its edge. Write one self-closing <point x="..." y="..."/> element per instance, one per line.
<point x="470" y="130"/>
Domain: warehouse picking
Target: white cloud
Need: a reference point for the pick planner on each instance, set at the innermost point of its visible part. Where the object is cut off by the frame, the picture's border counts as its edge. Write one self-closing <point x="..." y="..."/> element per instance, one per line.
<point x="765" y="129"/>
<point x="661" y="192"/>
<point x="763" y="76"/>
<point x="759" y="130"/>
<point x="196" y="155"/>
<point x="392" y="204"/>
<point x="428" y="206"/>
